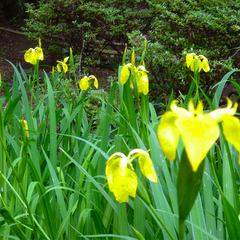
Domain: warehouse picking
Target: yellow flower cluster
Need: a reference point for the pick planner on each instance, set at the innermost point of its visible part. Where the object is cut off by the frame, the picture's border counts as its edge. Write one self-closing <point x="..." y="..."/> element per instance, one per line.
<point x="199" y="62"/>
<point x="32" y="55"/>
<point x="121" y="178"/>
<point x="199" y="131"/>
<point x="63" y="64"/>
<point x="84" y="83"/>
<point x="142" y="77"/>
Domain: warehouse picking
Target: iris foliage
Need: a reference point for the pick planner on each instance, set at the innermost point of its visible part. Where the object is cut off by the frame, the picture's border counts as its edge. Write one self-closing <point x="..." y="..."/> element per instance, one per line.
<point x="54" y="183"/>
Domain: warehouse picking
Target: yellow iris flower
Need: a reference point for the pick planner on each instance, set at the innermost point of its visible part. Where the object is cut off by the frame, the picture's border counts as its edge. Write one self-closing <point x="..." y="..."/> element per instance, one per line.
<point x="63" y="64"/>
<point x="25" y="125"/>
<point x="142" y="77"/>
<point x="32" y="55"/>
<point x="200" y="61"/>
<point x="121" y="178"/>
<point x="84" y="83"/>
<point x="199" y="131"/>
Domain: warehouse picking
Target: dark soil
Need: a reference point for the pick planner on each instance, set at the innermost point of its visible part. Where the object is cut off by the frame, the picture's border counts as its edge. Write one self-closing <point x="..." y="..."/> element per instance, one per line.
<point x="13" y="44"/>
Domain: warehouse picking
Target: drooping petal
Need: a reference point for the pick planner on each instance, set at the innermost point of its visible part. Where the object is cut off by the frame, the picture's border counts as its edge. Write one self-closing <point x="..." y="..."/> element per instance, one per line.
<point x="65" y="67"/>
<point x="38" y="53"/>
<point x="95" y="81"/>
<point x="204" y="63"/>
<point x="84" y="83"/>
<point x="218" y="114"/>
<point x="58" y="67"/>
<point x="29" y="56"/>
<point x="124" y="75"/>
<point x="121" y="180"/>
<point x="168" y="135"/>
<point x="231" y="131"/>
<point x="198" y="132"/>
<point x="146" y="167"/>
<point x="190" y="60"/>
<point x="143" y="85"/>
<point x="198" y="64"/>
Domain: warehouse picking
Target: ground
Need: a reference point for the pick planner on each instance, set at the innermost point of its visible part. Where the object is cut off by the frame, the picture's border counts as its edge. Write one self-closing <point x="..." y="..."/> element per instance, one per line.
<point x="13" y="44"/>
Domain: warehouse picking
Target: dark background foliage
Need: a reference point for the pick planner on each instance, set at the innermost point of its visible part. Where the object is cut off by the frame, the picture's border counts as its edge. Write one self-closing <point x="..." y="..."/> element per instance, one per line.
<point x="172" y="28"/>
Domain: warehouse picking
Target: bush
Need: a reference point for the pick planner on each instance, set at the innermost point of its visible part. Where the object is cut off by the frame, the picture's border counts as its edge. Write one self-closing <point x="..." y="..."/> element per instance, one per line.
<point x="172" y="29"/>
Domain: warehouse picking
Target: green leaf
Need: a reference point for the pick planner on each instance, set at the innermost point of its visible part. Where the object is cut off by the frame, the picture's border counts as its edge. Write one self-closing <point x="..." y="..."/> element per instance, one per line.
<point x="232" y="222"/>
<point x="15" y="225"/>
<point x="188" y="184"/>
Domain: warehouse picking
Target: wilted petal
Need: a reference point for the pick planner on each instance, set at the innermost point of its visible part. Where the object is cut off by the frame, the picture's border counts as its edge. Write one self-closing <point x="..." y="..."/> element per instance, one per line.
<point x="121" y="180"/>
<point x="145" y="164"/>
<point x="231" y="131"/>
<point x="168" y="135"/>
<point x="95" y="81"/>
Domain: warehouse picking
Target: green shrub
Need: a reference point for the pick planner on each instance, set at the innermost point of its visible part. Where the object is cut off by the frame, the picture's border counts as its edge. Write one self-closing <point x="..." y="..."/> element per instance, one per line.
<point x="172" y="29"/>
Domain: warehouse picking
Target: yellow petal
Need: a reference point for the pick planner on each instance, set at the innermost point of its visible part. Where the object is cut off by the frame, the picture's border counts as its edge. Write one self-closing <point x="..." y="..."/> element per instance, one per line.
<point x="124" y="75"/>
<point x="231" y="131"/>
<point x="84" y="83"/>
<point x="199" y="108"/>
<point x="121" y="180"/>
<point x="95" y="81"/>
<point x="58" y="67"/>
<point x="24" y="122"/>
<point x="190" y="59"/>
<point x="65" y="67"/>
<point x="38" y="53"/>
<point x="180" y="111"/>
<point x="145" y="164"/>
<point x="204" y="63"/>
<point x="29" y="56"/>
<point x="65" y="59"/>
<point x="218" y="114"/>
<point x="198" y="132"/>
<point x="168" y="135"/>
<point x="143" y="85"/>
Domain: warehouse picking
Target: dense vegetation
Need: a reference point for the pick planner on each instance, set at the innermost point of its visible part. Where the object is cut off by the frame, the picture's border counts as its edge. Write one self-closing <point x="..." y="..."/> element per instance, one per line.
<point x="172" y="29"/>
<point x="79" y="162"/>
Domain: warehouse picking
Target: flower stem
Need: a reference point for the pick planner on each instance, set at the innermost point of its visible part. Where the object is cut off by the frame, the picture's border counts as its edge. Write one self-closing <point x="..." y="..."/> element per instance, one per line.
<point x="181" y="228"/>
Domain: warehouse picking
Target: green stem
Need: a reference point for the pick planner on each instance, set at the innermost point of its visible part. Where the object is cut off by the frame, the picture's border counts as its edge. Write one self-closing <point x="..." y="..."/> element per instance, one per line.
<point x="159" y="219"/>
<point x="181" y="227"/>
